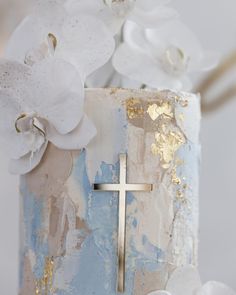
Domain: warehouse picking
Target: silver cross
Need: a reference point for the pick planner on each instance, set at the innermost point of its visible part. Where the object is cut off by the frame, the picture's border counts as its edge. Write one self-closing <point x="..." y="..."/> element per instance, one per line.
<point x="122" y="188"/>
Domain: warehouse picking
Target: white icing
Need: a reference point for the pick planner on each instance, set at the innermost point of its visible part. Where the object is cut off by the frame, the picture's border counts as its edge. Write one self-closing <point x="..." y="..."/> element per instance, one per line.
<point x="188" y="118"/>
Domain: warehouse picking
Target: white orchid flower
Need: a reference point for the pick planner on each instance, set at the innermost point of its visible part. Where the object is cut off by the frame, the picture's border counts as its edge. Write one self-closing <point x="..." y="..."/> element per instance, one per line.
<point x="163" y="57"/>
<point x="147" y="13"/>
<point x="186" y="281"/>
<point x="50" y="31"/>
<point x="38" y="105"/>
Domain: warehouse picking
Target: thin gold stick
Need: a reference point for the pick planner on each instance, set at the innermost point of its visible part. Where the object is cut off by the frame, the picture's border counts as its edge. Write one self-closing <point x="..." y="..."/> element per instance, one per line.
<point x="211" y="80"/>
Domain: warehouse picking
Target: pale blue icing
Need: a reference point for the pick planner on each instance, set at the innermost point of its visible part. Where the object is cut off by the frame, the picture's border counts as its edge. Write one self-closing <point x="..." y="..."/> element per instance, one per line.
<point x="189" y="171"/>
<point x="97" y="266"/>
<point x="96" y="262"/>
<point x="98" y="247"/>
<point x="190" y="153"/>
<point x="33" y="225"/>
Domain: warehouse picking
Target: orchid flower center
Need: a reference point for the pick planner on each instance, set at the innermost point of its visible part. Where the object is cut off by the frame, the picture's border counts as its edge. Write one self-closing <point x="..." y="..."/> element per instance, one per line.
<point x="45" y="49"/>
<point x="120" y="8"/>
<point x="33" y="129"/>
<point x="174" y="61"/>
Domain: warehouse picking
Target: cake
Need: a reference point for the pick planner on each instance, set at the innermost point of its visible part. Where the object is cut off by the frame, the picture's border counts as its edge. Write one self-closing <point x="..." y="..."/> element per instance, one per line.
<point x="70" y="238"/>
<point x="98" y="118"/>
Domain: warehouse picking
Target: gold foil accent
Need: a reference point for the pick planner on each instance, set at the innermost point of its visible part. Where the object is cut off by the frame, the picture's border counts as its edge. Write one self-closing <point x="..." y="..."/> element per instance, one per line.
<point x="181" y="117"/>
<point x="53" y="40"/>
<point x="174" y="178"/>
<point x="156" y="111"/>
<point x="35" y="123"/>
<point x="122" y="188"/>
<point x="16" y="122"/>
<point x="183" y="102"/>
<point x="185" y="186"/>
<point x="166" y="145"/>
<point x="134" y="108"/>
<point x="44" y="286"/>
<point x="213" y="79"/>
<point x="179" y="194"/>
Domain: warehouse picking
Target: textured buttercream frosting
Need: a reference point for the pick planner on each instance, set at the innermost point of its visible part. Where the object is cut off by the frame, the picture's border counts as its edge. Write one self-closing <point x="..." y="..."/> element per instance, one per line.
<point x="69" y="232"/>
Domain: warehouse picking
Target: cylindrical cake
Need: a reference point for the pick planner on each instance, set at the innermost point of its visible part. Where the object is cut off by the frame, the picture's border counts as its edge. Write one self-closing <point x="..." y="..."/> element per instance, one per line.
<point x="69" y="230"/>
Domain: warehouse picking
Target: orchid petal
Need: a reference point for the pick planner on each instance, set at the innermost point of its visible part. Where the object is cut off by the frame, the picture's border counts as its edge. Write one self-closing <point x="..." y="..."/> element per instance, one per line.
<point x="184" y="281"/>
<point x="13" y="143"/>
<point x="209" y="61"/>
<point x="87" y="7"/>
<point x="131" y="63"/>
<point x="177" y="34"/>
<point x="13" y="79"/>
<point x="106" y="76"/>
<point x="146" y="4"/>
<point x="60" y="99"/>
<point x="161" y="292"/>
<point x="98" y="9"/>
<point x="82" y="40"/>
<point x="215" y="288"/>
<point x="76" y="139"/>
<point x="66" y="113"/>
<point x="153" y="17"/>
<point x="134" y="36"/>
<point x="187" y="84"/>
<point x="46" y="8"/>
<point x="28" y="162"/>
<point x="29" y="41"/>
<point x="140" y="67"/>
<point x="87" y="43"/>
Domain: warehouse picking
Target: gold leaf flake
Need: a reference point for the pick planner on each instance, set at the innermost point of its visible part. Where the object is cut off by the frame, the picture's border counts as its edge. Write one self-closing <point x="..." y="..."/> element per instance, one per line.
<point x="52" y="40"/>
<point x="134" y="108"/>
<point x="166" y="166"/>
<point x="166" y="145"/>
<point x="174" y="178"/>
<point x="179" y="194"/>
<point x="156" y="111"/>
<point x="22" y="116"/>
<point x="44" y="285"/>
<point x="183" y="102"/>
<point x="185" y="186"/>
<point x="181" y="117"/>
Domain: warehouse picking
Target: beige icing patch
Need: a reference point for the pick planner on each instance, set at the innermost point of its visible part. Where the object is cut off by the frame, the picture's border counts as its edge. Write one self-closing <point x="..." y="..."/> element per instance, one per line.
<point x="146" y="282"/>
<point x="28" y="287"/>
<point x="154" y="214"/>
<point x="142" y="165"/>
<point x="58" y="227"/>
<point x="50" y="176"/>
<point x="75" y="192"/>
<point x="63" y="221"/>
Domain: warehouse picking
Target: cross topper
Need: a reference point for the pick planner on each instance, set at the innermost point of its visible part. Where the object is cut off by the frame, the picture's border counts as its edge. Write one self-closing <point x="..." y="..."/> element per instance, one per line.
<point x="122" y="188"/>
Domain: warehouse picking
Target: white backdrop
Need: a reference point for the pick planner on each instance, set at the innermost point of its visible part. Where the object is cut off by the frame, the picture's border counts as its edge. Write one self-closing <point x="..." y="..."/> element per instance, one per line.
<point x="214" y="22"/>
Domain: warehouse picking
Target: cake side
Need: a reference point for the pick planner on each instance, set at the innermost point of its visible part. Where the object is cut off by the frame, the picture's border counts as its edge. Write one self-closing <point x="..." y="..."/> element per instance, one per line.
<point x="69" y="232"/>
